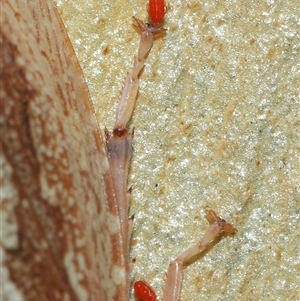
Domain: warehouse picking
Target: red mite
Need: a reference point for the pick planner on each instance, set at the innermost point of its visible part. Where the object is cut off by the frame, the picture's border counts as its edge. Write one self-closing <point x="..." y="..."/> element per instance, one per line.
<point x="156" y="10"/>
<point x="144" y="291"/>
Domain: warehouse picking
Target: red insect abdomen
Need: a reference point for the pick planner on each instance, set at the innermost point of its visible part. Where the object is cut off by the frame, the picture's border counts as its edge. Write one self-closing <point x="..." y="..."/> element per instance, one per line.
<point x="144" y="291"/>
<point x="156" y="10"/>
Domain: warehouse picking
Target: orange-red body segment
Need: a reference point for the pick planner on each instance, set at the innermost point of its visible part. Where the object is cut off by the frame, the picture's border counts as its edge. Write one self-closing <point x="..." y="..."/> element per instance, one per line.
<point x="144" y="291"/>
<point x="156" y="10"/>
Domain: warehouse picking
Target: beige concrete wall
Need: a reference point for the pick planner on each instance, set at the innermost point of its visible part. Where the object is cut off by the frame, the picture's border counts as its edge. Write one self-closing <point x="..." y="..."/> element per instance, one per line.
<point x="216" y="124"/>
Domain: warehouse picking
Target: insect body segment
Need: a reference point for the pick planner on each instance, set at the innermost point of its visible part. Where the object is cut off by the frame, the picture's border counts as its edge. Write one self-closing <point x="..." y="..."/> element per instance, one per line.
<point x="143" y="290"/>
<point x="156" y="11"/>
<point x="131" y="86"/>
<point x="119" y="147"/>
<point x="217" y="227"/>
<point x="171" y="292"/>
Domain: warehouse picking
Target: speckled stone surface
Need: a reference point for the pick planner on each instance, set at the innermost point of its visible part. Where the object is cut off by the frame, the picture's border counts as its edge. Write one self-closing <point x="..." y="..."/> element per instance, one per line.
<point x="216" y="124"/>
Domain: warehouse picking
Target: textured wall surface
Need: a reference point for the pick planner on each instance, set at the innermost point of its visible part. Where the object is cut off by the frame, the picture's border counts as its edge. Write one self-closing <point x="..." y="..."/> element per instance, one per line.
<point x="216" y="124"/>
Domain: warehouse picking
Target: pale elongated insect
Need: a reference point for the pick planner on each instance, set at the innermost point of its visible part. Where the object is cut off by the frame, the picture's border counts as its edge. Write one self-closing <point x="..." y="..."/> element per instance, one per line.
<point x="64" y="235"/>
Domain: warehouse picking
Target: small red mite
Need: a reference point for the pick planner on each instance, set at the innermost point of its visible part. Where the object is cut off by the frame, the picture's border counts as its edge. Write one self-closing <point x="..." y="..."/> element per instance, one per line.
<point x="144" y="291"/>
<point x="156" y="11"/>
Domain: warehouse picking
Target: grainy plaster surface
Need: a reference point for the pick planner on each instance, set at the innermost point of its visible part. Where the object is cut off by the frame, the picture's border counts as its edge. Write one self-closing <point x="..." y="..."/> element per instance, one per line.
<point x="216" y="124"/>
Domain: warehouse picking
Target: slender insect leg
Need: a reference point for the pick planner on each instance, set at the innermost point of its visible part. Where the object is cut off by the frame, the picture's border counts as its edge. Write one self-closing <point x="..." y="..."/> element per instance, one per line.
<point x="217" y="226"/>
